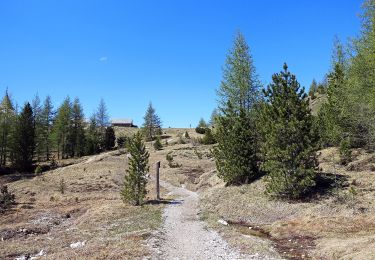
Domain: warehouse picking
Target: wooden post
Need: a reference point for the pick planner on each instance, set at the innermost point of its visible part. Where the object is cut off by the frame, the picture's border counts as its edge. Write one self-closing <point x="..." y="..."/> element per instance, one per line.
<point x="157" y="166"/>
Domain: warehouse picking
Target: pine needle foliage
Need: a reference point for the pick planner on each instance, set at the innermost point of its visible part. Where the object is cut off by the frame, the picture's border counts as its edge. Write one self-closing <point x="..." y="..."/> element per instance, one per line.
<point x="134" y="190"/>
<point x="289" y="150"/>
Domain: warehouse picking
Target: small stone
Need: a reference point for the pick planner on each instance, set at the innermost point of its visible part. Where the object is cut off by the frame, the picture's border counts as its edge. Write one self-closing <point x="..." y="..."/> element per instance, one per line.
<point x="223" y="222"/>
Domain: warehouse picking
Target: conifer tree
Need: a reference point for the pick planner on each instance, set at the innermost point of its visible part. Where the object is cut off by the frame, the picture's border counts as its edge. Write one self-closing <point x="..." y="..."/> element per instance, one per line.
<point x="102" y="120"/>
<point x="214" y="115"/>
<point x="24" y="139"/>
<point x="7" y="121"/>
<point x="134" y="190"/>
<point x="110" y="138"/>
<point x="313" y="89"/>
<point x="47" y="121"/>
<point x="62" y="128"/>
<point x="152" y="123"/>
<point x="240" y="84"/>
<point x="289" y="144"/>
<point x="38" y="127"/>
<point x="77" y="138"/>
<point x="92" y="137"/>
<point x="236" y="130"/>
<point x="202" y="123"/>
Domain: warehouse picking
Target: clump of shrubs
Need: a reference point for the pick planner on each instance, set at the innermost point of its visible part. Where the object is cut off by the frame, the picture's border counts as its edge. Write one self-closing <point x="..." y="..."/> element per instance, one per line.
<point x="157" y="144"/>
<point x="200" y="130"/>
<point x="208" y="137"/>
<point x="7" y="199"/>
<point x="121" y="141"/>
<point x="38" y="170"/>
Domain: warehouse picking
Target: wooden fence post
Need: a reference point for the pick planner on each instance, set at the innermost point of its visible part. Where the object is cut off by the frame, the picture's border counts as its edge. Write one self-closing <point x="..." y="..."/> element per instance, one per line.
<point x="157" y="167"/>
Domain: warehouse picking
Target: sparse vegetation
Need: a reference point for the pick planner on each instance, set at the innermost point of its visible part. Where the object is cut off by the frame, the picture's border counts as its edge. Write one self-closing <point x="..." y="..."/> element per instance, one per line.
<point x="62" y="186"/>
<point x="157" y="144"/>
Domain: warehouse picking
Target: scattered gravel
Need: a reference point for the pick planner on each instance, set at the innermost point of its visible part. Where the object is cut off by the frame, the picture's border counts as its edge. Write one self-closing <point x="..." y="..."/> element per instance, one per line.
<point x="184" y="236"/>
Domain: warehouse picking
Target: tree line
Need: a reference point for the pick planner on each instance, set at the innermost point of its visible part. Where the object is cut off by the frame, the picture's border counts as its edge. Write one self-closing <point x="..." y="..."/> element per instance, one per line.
<point x="40" y="133"/>
<point x="271" y="131"/>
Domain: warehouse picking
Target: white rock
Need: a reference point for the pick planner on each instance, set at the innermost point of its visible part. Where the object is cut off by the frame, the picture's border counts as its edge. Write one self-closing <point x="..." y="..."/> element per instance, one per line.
<point x="223" y="222"/>
<point x="77" y="245"/>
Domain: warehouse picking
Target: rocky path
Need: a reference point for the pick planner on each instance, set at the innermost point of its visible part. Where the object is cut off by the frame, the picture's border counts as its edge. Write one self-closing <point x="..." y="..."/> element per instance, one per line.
<point x="184" y="236"/>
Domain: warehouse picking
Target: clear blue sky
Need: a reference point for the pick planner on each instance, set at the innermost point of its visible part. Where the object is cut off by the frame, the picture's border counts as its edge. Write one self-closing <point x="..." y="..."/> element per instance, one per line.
<point x="169" y="52"/>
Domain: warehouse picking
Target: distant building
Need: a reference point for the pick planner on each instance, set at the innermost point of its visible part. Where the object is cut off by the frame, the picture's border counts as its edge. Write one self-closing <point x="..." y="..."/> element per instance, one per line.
<point x="123" y="123"/>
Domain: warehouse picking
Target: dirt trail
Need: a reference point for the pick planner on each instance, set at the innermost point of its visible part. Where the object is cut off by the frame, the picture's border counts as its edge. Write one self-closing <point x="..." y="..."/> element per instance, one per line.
<point x="184" y="236"/>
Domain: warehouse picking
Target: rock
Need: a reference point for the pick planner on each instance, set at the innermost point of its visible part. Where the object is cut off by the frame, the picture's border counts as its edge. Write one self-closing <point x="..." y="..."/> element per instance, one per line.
<point x="223" y="222"/>
<point x="77" y="245"/>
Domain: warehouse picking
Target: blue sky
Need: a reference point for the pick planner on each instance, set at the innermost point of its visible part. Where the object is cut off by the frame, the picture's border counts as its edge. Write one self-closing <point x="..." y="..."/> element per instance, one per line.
<point x="169" y="52"/>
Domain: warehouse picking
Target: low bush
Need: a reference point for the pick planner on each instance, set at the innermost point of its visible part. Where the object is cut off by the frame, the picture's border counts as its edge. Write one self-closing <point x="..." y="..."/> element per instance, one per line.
<point x="200" y="130"/>
<point x="208" y="137"/>
<point x="7" y="199"/>
<point x="157" y="144"/>
<point x="345" y="152"/>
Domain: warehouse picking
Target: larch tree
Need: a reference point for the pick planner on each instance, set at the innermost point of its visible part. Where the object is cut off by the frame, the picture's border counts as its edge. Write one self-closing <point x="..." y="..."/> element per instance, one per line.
<point x="236" y="130"/>
<point x="152" y="123"/>
<point x="47" y="122"/>
<point x="102" y="119"/>
<point x="78" y="130"/>
<point x="38" y="126"/>
<point x="7" y="120"/>
<point x="62" y="128"/>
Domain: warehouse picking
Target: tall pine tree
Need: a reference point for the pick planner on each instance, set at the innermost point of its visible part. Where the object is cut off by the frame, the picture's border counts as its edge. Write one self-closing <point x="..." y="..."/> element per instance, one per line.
<point x="24" y="139"/>
<point x="289" y="150"/>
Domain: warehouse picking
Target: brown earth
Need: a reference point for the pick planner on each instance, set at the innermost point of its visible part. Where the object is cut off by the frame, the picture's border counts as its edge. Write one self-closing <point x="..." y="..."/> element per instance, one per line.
<point x="338" y="220"/>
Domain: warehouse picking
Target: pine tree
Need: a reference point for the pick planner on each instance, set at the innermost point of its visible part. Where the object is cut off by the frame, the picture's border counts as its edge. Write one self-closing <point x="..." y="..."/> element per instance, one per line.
<point x="236" y="151"/>
<point x="157" y="144"/>
<point x="236" y="130"/>
<point x="313" y="89"/>
<point x="92" y="137"/>
<point x="7" y="121"/>
<point x="110" y="138"/>
<point x="24" y="142"/>
<point x="152" y="123"/>
<point x="134" y="190"/>
<point x="288" y="150"/>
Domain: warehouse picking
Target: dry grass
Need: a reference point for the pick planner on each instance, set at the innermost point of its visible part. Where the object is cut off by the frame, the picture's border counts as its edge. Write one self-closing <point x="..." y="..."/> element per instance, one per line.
<point x="334" y="223"/>
<point x="90" y="210"/>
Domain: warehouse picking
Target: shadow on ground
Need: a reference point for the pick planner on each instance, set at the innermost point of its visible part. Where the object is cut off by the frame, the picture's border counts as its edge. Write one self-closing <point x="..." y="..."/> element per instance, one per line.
<point x="164" y="201"/>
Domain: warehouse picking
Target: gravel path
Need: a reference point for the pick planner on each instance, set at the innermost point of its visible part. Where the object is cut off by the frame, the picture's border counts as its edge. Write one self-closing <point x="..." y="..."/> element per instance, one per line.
<point x="184" y="236"/>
